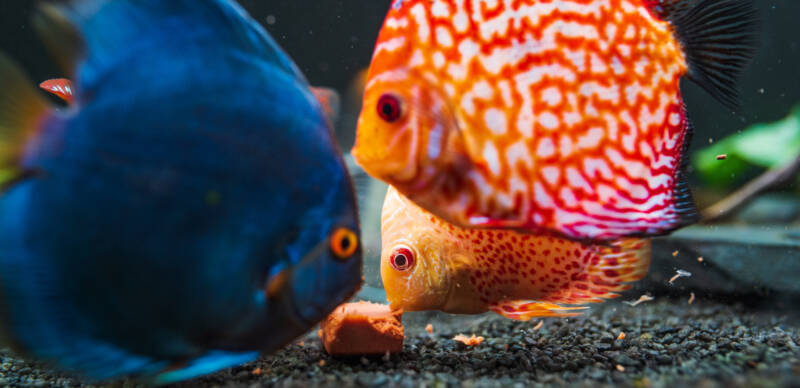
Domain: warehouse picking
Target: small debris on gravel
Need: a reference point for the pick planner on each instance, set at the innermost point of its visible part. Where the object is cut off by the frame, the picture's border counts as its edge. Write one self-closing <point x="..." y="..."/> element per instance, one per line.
<point x="680" y="273"/>
<point x="470" y="341"/>
<point x="642" y="299"/>
<point x="668" y="343"/>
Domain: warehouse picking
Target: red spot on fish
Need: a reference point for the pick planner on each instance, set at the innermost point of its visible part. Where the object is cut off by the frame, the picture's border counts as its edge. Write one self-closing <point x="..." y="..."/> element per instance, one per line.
<point x="611" y="273"/>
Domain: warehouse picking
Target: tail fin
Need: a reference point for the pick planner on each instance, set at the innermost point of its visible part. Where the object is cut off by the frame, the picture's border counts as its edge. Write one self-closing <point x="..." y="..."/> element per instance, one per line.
<point x="21" y="109"/>
<point x="622" y="262"/>
<point x="719" y="38"/>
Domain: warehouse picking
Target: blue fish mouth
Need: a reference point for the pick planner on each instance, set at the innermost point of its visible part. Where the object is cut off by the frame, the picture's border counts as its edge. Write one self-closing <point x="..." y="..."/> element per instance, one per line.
<point x="314" y="292"/>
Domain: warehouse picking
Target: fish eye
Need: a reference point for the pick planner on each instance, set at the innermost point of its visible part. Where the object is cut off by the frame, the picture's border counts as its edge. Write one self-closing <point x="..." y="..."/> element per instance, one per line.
<point x="389" y="108"/>
<point x="343" y="243"/>
<point x="402" y="259"/>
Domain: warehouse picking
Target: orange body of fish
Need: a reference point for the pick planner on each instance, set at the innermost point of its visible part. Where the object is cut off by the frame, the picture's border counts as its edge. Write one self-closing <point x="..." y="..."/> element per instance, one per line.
<point x="547" y="115"/>
<point x="429" y="264"/>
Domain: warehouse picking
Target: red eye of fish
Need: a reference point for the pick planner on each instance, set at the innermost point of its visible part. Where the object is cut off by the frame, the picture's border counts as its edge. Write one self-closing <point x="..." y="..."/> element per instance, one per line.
<point x="402" y="259"/>
<point x="389" y="108"/>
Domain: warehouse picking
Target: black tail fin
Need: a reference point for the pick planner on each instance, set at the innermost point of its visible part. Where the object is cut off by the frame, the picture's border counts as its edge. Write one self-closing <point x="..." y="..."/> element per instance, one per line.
<point x="719" y="38"/>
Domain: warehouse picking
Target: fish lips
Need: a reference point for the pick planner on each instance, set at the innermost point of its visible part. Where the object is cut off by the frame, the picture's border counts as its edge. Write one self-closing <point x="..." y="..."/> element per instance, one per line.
<point x="318" y="286"/>
<point x="297" y="298"/>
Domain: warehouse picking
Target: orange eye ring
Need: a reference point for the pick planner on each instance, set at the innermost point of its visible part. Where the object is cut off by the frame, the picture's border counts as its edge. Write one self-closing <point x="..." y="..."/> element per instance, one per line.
<point x="343" y="243"/>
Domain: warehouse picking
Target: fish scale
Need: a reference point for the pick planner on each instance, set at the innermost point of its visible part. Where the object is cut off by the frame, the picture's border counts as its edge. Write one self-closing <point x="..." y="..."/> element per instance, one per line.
<point x="568" y="111"/>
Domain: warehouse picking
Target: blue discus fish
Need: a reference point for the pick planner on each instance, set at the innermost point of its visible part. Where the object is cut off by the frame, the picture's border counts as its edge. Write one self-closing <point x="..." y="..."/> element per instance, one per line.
<point x="182" y="226"/>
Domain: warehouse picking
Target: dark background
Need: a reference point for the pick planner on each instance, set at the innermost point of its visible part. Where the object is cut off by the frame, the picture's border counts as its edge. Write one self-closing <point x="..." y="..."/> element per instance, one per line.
<point x="331" y="40"/>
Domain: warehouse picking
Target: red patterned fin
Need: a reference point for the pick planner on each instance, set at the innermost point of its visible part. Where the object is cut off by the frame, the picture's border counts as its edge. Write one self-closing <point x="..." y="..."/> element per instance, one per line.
<point x="719" y="38"/>
<point x="61" y="87"/>
<point x="609" y="272"/>
<point x="524" y="310"/>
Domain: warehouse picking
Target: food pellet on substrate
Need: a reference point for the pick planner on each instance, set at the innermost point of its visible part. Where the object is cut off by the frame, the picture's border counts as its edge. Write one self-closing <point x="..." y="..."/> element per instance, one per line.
<point x="700" y="259"/>
<point x="302" y="343"/>
<point x="256" y="371"/>
<point x="363" y="328"/>
<point x="429" y="328"/>
<point x="620" y="368"/>
<point x="538" y="325"/>
<point x="321" y="362"/>
<point x="621" y="335"/>
<point x="675" y="254"/>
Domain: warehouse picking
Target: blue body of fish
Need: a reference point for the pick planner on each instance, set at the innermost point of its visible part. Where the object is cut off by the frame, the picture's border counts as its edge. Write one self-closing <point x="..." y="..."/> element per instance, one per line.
<point x="148" y="220"/>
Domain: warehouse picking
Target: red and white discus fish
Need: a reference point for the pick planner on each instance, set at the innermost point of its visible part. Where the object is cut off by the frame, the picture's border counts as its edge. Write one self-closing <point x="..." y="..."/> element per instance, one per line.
<point x="428" y="264"/>
<point x="560" y="115"/>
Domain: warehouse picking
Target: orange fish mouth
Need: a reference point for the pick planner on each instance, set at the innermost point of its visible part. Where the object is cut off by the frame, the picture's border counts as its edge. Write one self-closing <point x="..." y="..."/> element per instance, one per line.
<point x="381" y="165"/>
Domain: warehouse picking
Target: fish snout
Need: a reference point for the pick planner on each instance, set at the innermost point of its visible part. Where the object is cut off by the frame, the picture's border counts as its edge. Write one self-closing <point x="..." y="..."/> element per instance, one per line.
<point x="324" y="282"/>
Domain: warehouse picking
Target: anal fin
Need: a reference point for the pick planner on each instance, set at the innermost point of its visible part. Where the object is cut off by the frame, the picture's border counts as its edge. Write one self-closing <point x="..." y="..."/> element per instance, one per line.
<point x="525" y="310"/>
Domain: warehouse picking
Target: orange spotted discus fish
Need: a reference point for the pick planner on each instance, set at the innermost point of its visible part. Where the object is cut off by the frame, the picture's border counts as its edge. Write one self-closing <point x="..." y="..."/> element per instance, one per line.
<point x="547" y="115"/>
<point x="428" y="264"/>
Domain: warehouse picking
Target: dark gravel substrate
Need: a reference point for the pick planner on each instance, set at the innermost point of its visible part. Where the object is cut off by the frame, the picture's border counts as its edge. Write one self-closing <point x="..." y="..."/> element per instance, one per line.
<point x="667" y="343"/>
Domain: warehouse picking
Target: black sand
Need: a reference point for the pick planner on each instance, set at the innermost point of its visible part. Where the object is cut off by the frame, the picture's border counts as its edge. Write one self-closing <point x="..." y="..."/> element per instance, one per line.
<point x="668" y="343"/>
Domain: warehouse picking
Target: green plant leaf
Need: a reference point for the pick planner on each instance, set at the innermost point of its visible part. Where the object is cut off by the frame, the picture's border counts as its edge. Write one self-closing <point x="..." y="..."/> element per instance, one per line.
<point x="762" y="145"/>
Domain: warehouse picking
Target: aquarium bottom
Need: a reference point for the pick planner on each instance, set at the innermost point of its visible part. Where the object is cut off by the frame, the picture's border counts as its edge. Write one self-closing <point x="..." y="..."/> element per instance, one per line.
<point x="667" y="343"/>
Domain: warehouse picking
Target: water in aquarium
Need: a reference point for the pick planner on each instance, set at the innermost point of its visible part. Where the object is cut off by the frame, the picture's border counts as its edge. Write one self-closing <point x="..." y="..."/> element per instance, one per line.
<point x="410" y="193"/>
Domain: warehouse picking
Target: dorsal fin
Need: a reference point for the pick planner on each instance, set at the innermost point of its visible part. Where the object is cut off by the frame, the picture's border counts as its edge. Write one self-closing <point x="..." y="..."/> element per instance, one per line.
<point x="719" y="38"/>
<point x="115" y="29"/>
